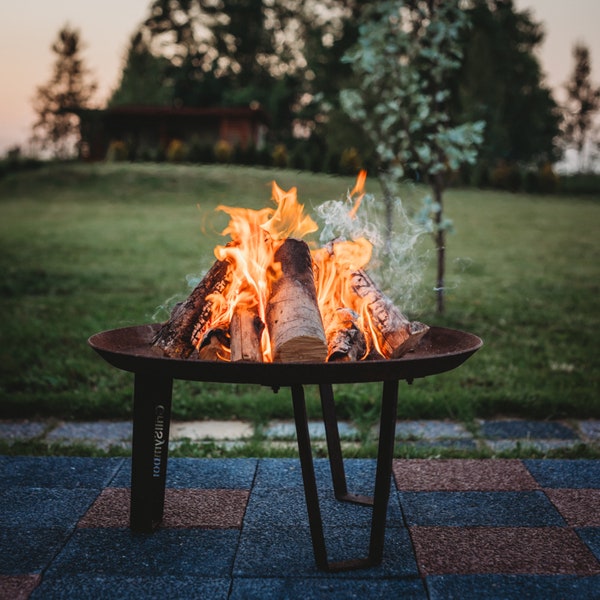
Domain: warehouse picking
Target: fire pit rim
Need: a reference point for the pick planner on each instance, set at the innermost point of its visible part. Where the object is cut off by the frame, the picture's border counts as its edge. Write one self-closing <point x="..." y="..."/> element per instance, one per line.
<point x="130" y="349"/>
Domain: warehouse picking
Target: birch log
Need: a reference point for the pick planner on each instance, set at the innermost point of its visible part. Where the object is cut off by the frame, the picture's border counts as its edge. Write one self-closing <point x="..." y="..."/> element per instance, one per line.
<point x="293" y="319"/>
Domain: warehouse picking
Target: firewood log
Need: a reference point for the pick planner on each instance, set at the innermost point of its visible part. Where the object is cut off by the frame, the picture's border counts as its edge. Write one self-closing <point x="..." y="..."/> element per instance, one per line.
<point x="182" y="333"/>
<point x="245" y="332"/>
<point x="345" y="341"/>
<point x="213" y="345"/>
<point x="293" y="318"/>
<point x="398" y="334"/>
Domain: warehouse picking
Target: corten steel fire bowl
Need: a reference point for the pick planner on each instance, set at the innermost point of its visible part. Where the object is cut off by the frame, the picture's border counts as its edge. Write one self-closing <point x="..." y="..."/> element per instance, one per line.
<point x="131" y="349"/>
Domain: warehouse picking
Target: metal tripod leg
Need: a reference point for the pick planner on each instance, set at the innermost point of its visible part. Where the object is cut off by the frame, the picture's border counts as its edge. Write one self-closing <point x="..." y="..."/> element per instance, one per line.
<point x="334" y="449"/>
<point x="382" y="479"/>
<point x="150" y="448"/>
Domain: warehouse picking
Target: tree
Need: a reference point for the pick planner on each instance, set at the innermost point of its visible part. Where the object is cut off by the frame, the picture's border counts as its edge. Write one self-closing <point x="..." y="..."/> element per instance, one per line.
<point x="406" y="55"/>
<point x="500" y="82"/>
<point x="583" y="102"/>
<point x="141" y="72"/>
<point x="69" y="89"/>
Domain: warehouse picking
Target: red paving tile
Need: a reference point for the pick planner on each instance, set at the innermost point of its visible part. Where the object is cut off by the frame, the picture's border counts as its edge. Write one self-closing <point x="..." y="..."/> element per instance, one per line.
<point x="17" y="587"/>
<point x="419" y="475"/>
<point x="209" y="509"/>
<point x="506" y="550"/>
<point x="579" y="507"/>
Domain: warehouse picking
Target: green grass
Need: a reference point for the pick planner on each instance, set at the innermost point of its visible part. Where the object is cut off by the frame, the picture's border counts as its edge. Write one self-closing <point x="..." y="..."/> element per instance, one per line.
<point x="91" y="247"/>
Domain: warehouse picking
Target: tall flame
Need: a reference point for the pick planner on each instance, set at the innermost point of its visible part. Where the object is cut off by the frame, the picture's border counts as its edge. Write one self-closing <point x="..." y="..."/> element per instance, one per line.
<point x="255" y="236"/>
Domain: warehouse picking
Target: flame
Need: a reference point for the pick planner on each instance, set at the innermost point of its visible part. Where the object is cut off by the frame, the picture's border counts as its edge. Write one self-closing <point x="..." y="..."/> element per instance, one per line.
<point x="255" y="236"/>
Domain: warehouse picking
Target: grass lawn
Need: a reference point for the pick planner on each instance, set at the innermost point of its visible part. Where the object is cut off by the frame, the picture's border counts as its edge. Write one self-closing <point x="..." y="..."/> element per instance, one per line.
<point x="91" y="247"/>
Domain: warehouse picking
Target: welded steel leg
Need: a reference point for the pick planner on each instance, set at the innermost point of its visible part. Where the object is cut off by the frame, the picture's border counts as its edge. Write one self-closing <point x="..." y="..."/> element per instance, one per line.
<point x="150" y="448"/>
<point x="385" y="456"/>
<point x="308" y="477"/>
<point x="334" y="449"/>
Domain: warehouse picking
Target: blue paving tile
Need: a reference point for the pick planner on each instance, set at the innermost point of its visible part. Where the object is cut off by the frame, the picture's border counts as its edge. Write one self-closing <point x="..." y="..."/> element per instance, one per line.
<point x="43" y="507"/>
<point x="465" y="509"/>
<point x="331" y="589"/>
<point x="168" y="552"/>
<point x="286" y="473"/>
<point x="201" y="473"/>
<point x="526" y="430"/>
<point x="578" y="474"/>
<point x="28" y="550"/>
<point x="70" y="587"/>
<point x="57" y="471"/>
<point x="512" y="587"/>
<point x="287" y="507"/>
<point x="273" y="552"/>
<point x="591" y="537"/>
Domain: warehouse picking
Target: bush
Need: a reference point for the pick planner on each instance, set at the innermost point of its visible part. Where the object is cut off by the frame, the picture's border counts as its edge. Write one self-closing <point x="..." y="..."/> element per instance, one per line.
<point x="350" y="162"/>
<point x="279" y="156"/>
<point x="580" y="183"/>
<point x="223" y="151"/>
<point x="176" y="151"/>
<point x="117" y="151"/>
<point x="506" y="176"/>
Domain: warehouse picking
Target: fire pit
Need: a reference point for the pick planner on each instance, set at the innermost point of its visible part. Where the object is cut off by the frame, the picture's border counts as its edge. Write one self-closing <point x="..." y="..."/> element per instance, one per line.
<point x="131" y="349"/>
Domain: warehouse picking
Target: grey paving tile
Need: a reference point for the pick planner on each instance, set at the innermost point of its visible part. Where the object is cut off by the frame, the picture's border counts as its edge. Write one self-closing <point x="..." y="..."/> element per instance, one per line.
<point x="43" y="507"/>
<point x="524" y="430"/>
<point x="27" y="550"/>
<point x="57" y="471"/>
<point x="468" y="509"/>
<point x="197" y="552"/>
<point x="12" y="431"/>
<point x="529" y="444"/>
<point x="333" y="589"/>
<point x="202" y="473"/>
<point x="287" y="430"/>
<point x="590" y="429"/>
<point x="119" y="587"/>
<point x="512" y="587"/>
<point x="565" y="473"/>
<point x="431" y="429"/>
<point x="101" y="434"/>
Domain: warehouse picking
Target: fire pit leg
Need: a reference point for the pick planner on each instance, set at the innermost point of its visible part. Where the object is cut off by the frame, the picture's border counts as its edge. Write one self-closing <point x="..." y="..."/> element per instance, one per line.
<point x="334" y="448"/>
<point x="385" y="455"/>
<point x="150" y="448"/>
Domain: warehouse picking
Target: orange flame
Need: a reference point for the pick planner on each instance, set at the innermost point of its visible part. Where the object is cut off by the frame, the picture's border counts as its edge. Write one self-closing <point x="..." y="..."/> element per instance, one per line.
<point x="255" y="237"/>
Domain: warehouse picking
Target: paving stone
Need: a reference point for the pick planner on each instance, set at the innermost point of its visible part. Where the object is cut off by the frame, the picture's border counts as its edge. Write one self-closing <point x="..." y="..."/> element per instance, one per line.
<point x="12" y="431"/>
<point x="591" y="537"/>
<point x="332" y="589"/>
<point x="580" y="508"/>
<point x="203" y="473"/>
<point x="285" y="430"/>
<point x="102" y="434"/>
<point x="57" y="471"/>
<point x="70" y="587"/>
<point x="441" y="444"/>
<point x="43" y="507"/>
<point x="508" y="550"/>
<point x="17" y="587"/>
<point x="200" y="552"/>
<point x="470" y="509"/>
<point x="575" y="474"/>
<point x="210" y="430"/>
<point x="462" y="475"/>
<point x="526" y="430"/>
<point x="590" y="429"/>
<point x="431" y="430"/>
<point x="209" y="509"/>
<point x="512" y="587"/>
<point x="529" y="444"/>
<point x="29" y="550"/>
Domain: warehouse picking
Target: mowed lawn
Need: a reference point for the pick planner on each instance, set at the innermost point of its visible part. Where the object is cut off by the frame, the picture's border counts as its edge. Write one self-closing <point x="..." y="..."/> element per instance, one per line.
<point x="91" y="247"/>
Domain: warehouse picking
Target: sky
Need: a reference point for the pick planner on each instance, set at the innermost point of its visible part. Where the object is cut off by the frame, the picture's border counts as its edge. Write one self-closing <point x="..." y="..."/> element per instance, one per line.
<point x="30" y="27"/>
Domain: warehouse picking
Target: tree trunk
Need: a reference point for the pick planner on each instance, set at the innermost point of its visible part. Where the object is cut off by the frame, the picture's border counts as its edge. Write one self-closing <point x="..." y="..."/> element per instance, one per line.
<point x="440" y="244"/>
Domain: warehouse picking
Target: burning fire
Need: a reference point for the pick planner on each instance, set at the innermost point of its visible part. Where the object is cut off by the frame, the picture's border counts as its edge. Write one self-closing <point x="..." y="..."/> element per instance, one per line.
<point x="276" y="300"/>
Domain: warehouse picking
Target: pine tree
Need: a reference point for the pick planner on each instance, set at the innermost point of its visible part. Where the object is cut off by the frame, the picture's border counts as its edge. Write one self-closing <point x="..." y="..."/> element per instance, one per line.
<point x="69" y="89"/>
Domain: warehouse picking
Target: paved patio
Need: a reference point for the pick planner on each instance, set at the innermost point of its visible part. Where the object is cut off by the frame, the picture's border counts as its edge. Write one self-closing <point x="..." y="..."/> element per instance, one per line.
<point x="237" y="528"/>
